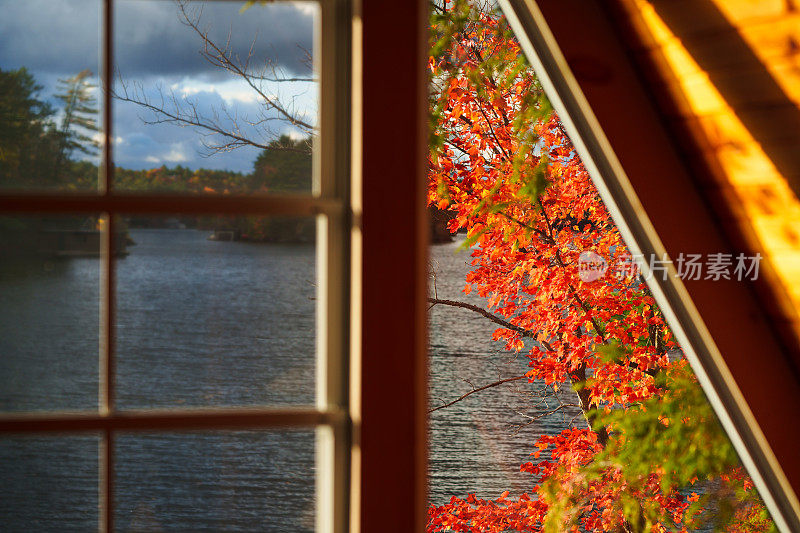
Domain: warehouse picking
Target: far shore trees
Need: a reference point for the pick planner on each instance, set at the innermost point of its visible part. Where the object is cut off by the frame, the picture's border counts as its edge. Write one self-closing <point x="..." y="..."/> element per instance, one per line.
<point x="35" y="151"/>
<point x="28" y="141"/>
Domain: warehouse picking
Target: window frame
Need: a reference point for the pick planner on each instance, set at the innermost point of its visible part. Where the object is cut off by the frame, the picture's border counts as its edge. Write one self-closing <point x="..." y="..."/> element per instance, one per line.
<point x="331" y="206"/>
<point x="630" y="157"/>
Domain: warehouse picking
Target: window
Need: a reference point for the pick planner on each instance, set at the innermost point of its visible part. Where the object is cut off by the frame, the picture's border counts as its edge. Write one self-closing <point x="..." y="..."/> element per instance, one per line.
<point x="134" y="409"/>
<point x="386" y="397"/>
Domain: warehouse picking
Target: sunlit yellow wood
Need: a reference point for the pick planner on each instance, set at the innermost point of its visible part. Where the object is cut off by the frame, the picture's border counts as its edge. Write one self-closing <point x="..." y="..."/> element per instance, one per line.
<point x="742" y="11"/>
<point x="766" y="209"/>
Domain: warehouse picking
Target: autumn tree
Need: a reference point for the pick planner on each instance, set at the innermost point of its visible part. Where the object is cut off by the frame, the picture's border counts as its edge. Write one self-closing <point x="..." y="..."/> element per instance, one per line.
<point x="649" y="454"/>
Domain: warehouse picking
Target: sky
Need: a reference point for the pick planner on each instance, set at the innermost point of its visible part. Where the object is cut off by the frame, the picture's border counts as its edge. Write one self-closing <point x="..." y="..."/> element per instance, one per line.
<point x="158" y="59"/>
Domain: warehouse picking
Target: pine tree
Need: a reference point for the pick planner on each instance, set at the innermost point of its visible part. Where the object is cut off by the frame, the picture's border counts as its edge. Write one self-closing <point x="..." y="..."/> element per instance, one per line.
<point x="79" y="120"/>
<point x="25" y="131"/>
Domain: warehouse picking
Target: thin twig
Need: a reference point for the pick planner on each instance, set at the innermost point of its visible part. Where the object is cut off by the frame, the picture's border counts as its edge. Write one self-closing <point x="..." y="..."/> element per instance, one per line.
<point x="478" y="389"/>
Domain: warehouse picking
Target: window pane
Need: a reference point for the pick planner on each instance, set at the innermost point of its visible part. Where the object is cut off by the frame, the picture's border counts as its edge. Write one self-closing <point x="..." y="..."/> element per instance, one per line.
<point x="49" y="483"/>
<point x="231" y="481"/>
<point x="216" y="311"/>
<point x="49" y="97"/>
<point x="213" y="100"/>
<point x="585" y="415"/>
<point x="49" y="313"/>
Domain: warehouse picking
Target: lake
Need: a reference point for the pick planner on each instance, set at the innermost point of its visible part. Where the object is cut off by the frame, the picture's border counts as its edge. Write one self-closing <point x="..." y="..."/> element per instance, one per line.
<point x="201" y="323"/>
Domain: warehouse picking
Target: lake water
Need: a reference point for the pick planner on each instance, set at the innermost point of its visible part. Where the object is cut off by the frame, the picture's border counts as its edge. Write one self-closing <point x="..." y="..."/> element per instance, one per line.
<point x="477" y="445"/>
<point x="204" y="323"/>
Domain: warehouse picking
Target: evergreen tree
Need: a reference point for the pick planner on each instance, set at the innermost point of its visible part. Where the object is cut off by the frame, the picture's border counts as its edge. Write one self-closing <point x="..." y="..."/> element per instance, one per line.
<point x="79" y="121"/>
<point x="26" y="136"/>
<point x="284" y="167"/>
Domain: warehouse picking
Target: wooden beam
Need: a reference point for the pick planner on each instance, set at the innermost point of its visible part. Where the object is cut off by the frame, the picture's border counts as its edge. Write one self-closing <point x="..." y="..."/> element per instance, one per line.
<point x="393" y="368"/>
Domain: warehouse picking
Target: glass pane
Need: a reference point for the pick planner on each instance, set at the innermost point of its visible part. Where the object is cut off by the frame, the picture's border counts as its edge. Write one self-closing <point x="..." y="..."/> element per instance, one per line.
<point x="210" y="99"/>
<point x="49" y="313"/>
<point x="49" y="483"/>
<point x="231" y="481"/>
<point x="216" y="311"/>
<point x="49" y="97"/>
<point x="556" y="382"/>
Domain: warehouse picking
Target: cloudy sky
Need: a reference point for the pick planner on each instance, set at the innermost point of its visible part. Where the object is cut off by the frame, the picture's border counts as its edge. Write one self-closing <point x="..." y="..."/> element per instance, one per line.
<point x="158" y="59"/>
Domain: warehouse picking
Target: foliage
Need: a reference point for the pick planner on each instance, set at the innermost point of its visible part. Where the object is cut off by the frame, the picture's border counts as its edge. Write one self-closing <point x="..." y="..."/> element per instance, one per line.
<point x="180" y="180"/>
<point x="274" y="171"/>
<point x="21" y="112"/>
<point x="26" y="138"/>
<point x="687" y="446"/>
<point x="285" y="166"/>
<point x="501" y="162"/>
<point x="34" y="151"/>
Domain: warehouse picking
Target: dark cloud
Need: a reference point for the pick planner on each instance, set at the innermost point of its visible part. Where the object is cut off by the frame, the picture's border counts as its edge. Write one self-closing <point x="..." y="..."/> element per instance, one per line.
<point x="58" y="37"/>
<point x="151" y="39"/>
<point x="63" y="36"/>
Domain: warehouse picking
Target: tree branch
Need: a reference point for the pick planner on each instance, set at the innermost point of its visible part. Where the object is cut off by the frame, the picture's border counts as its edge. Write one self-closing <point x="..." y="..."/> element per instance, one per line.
<point x="474" y="390"/>
<point x="222" y="129"/>
<point x="223" y="58"/>
<point x="474" y="308"/>
<point x="193" y="119"/>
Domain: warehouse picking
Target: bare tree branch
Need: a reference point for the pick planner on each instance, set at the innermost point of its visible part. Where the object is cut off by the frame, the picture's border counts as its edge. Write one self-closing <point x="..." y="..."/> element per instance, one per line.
<point x="223" y="129"/>
<point x="478" y="389"/>
<point x="532" y="419"/>
<point x="186" y="118"/>
<point x="474" y="308"/>
<point x="224" y="58"/>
